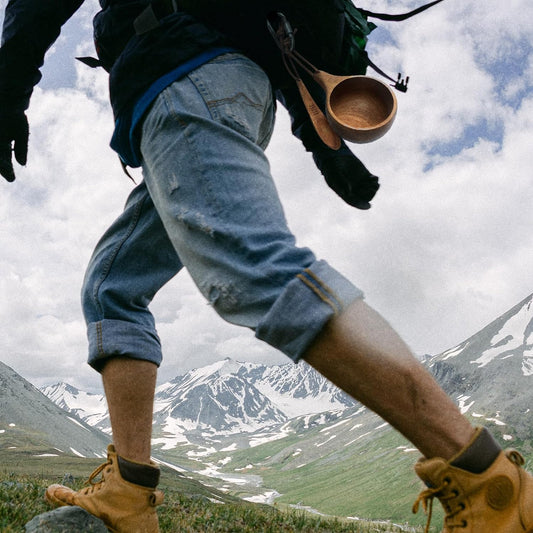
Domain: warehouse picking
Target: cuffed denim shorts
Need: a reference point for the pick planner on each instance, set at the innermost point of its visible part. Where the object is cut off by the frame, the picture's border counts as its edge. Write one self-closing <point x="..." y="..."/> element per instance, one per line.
<point x="208" y="203"/>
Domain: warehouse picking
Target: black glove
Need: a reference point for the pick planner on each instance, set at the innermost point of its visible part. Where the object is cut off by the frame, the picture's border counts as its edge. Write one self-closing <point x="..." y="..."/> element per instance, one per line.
<point x="346" y="175"/>
<point x="14" y="134"/>
<point x="343" y="171"/>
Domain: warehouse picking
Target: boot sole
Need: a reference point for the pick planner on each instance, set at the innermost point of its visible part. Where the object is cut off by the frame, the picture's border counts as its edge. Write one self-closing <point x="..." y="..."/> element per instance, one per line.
<point x="51" y="499"/>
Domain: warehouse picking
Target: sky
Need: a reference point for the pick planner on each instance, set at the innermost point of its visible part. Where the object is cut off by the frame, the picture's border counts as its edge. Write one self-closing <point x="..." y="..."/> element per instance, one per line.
<point x="445" y="249"/>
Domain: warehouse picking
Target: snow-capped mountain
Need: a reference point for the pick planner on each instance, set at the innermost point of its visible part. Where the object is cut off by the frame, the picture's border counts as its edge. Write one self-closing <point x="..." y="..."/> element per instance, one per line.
<point x="92" y="408"/>
<point x="491" y="373"/>
<point x="509" y="336"/>
<point x="296" y="389"/>
<point x="214" y="399"/>
<point x="226" y="397"/>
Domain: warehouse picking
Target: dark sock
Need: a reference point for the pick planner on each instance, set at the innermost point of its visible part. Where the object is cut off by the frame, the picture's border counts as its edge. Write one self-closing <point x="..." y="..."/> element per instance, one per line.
<point x="139" y="474"/>
<point x="479" y="455"/>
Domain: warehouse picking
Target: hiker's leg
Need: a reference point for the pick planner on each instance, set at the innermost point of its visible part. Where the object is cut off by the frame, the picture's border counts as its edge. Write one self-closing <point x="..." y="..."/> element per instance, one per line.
<point x="363" y="355"/>
<point x="223" y="215"/>
<point x="129" y="388"/>
<point x="132" y="261"/>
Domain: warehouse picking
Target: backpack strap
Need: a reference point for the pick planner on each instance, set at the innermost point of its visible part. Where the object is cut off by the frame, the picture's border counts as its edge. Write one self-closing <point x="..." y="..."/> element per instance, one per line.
<point x="403" y="16"/>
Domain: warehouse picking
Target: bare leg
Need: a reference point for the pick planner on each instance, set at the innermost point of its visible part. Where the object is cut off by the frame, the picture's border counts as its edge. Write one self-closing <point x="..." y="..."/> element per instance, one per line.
<point x="130" y="386"/>
<point x="360" y="353"/>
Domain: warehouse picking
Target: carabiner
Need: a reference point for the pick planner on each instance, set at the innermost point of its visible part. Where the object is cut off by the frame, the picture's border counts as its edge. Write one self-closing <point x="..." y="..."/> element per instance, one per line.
<point x="283" y="35"/>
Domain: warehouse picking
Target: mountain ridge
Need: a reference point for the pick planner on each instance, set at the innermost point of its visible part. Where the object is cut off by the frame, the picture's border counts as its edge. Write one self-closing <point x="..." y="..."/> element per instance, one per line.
<point x="29" y="419"/>
<point x="489" y="371"/>
<point x="222" y="398"/>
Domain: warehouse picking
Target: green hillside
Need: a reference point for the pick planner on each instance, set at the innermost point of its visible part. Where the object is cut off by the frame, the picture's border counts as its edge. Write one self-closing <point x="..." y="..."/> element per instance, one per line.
<point x="189" y="505"/>
<point x="371" y="477"/>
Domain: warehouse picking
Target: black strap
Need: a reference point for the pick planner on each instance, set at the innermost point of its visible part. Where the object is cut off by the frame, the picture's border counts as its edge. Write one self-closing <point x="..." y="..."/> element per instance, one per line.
<point x="399" y="84"/>
<point x="403" y="16"/>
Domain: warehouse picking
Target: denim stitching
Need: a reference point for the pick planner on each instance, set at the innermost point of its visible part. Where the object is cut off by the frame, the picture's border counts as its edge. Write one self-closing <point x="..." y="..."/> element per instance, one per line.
<point x="320" y="292"/>
<point x="99" y="339"/>
<point x="325" y="287"/>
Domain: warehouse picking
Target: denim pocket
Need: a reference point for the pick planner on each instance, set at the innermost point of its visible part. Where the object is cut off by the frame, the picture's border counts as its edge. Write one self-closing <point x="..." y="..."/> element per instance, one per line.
<point x="238" y="95"/>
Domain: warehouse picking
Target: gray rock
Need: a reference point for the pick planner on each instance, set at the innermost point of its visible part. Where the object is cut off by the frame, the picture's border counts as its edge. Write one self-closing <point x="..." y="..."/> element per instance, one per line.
<point x="66" y="520"/>
<point x="68" y="479"/>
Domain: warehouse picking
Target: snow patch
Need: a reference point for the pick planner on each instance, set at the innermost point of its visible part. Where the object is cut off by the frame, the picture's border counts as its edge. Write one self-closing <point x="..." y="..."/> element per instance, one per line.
<point x="453" y="352"/>
<point x="242" y="480"/>
<point x="334" y="426"/>
<point x="247" y="467"/>
<point x="318" y="444"/>
<point x="75" y="452"/>
<point x="407" y="449"/>
<point x="170" y="465"/>
<point x="267" y="497"/>
<point x="497" y="421"/>
<point x="263" y="438"/>
<point x="79" y="423"/>
<point x="202" y="451"/>
<point x="510" y="337"/>
<point x="527" y="365"/>
<point x="461" y="402"/>
<point x="360" y="437"/>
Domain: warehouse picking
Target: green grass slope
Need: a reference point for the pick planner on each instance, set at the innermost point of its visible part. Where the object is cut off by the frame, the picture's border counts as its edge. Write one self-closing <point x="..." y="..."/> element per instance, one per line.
<point x="189" y="505"/>
<point x="369" y="478"/>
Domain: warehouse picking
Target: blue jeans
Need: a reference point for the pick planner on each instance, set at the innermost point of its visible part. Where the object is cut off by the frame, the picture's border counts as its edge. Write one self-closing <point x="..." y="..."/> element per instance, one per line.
<point x="208" y="203"/>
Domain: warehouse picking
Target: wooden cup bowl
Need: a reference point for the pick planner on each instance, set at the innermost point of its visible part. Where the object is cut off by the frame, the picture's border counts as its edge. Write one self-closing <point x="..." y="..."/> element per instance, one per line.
<point x="359" y="109"/>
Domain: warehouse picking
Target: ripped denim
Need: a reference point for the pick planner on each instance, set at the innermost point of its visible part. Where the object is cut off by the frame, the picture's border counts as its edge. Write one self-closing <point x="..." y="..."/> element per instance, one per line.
<point x="208" y="203"/>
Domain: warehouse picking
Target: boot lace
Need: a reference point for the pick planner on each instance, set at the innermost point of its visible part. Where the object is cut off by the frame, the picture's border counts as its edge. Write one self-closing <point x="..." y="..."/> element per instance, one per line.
<point x="446" y="494"/>
<point x="93" y="485"/>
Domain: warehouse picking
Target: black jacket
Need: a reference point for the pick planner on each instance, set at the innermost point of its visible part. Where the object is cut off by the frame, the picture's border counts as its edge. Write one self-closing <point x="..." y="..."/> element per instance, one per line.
<point x="136" y="61"/>
<point x="32" y="26"/>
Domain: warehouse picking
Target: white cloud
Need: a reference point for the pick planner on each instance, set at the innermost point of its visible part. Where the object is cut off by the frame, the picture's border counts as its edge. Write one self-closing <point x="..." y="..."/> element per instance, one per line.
<point x="445" y="249"/>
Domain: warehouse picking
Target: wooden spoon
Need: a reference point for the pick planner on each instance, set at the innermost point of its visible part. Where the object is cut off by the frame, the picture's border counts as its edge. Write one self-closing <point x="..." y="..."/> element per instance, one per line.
<point x="319" y="120"/>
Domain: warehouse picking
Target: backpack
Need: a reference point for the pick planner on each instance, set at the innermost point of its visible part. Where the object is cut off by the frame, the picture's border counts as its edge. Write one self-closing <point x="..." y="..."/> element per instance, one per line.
<point x="330" y="34"/>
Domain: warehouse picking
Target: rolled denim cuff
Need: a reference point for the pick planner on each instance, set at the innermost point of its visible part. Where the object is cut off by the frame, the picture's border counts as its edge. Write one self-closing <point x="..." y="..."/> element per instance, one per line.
<point x="307" y="303"/>
<point x="113" y="338"/>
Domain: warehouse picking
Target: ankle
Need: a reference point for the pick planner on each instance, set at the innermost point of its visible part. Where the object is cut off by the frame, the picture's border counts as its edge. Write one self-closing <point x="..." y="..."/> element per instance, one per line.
<point x="146" y="475"/>
<point x="478" y="454"/>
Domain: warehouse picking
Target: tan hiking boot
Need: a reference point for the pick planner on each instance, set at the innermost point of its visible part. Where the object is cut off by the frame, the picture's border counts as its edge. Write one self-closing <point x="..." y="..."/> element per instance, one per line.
<point x="123" y="506"/>
<point x="499" y="500"/>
